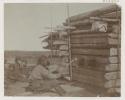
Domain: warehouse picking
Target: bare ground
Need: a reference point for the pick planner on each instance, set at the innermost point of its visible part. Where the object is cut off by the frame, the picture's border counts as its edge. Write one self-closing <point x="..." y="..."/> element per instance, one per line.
<point x="18" y="89"/>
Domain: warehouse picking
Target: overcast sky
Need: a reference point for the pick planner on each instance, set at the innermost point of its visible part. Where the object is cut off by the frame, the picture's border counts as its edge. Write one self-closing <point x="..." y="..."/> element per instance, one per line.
<point x="25" y="23"/>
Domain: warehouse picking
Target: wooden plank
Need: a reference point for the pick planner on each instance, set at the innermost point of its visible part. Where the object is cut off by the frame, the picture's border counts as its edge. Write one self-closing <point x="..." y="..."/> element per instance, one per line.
<point x="55" y="47"/>
<point x="116" y="29"/>
<point x="62" y="28"/>
<point x="90" y="46"/>
<point x="98" y="52"/>
<point x="89" y="72"/>
<point x="94" y="40"/>
<point x="113" y="83"/>
<point x="112" y="75"/>
<point x="113" y="35"/>
<point x="82" y="27"/>
<point x="59" y="42"/>
<point x="113" y="41"/>
<point x="87" y="21"/>
<point x="113" y="51"/>
<point x="112" y="67"/>
<point x="112" y="14"/>
<point x="99" y="59"/>
<point x="98" y="67"/>
<point x="81" y="22"/>
<point x="114" y="90"/>
<point x="88" y="80"/>
<point x="93" y="35"/>
<point x="90" y="62"/>
<point x="97" y="12"/>
<point x="63" y="47"/>
<point x="89" y="77"/>
<point x="89" y="31"/>
<point x="81" y="31"/>
<point x="113" y="60"/>
<point x="104" y="19"/>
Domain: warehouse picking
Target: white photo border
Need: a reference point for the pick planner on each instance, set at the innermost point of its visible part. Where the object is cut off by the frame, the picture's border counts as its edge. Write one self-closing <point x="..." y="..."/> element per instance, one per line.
<point x="119" y="2"/>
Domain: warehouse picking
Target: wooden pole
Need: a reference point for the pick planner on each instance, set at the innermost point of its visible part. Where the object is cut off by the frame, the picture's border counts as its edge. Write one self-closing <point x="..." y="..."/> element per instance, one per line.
<point x="69" y="45"/>
<point x="51" y="34"/>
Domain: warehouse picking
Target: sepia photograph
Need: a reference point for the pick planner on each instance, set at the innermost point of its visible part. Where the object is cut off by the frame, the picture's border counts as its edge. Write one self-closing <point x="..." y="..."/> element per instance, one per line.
<point x="62" y="49"/>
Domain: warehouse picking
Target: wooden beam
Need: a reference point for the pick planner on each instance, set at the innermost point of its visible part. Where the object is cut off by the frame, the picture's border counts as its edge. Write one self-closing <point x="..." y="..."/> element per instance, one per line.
<point x="93" y="45"/>
<point x="113" y="60"/>
<point x="97" y="12"/>
<point x="112" y="14"/>
<point x="112" y="75"/>
<point x="59" y="42"/>
<point x="97" y="52"/>
<point x="94" y="40"/>
<point x="63" y="47"/>
<point x="112" y="41"/>
<point x="103" y="19"/>
<point x="88" y="80"/>
<point x="113" y="35"/>
<point x="113" y="52"/>
<point x="90" y="35"/>
<point x="89" y="72"/>
<point x="106" y="17"/>
<point x="89" y="31"/>
<point x="112" y="67"/>
<point x="99" y="59"/>
<point x="113" y="83"/>
<point x="81" y="22"/>
<point x="81" y="31"/>
<point x="114" y="90"/>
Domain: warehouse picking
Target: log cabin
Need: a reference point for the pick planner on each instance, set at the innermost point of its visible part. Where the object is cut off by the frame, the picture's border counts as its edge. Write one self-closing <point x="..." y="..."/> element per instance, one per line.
<point x="95" y="43"/>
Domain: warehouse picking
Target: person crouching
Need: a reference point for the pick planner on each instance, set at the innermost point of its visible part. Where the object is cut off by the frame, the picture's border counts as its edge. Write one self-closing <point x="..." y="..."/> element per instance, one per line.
<point x="42" y="80"/>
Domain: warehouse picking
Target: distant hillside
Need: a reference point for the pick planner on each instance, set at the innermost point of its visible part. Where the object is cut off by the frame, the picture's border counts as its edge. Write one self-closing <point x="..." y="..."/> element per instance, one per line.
<point x="30" y="56"/>
<point x="25" y="53"/>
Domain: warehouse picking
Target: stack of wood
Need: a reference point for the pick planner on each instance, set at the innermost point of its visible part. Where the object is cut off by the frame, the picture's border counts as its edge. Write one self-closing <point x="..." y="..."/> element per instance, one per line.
<point x="58" y="44"/>
<point x="96" y="44"/>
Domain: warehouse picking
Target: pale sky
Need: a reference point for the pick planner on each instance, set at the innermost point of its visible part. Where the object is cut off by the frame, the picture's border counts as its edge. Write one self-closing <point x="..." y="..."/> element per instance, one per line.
<point x="25" y="23"/>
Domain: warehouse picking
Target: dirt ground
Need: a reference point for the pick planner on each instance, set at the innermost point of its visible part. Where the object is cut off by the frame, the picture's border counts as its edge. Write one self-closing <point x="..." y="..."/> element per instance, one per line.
<point x="18" y="89"/>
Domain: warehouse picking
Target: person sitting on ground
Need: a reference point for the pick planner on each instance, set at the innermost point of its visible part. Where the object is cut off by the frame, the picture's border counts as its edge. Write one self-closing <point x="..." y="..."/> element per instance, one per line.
<point x="41" y="79"/>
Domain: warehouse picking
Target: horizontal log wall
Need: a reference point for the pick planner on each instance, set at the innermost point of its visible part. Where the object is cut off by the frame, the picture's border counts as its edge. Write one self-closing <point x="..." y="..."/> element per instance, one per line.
<point x="93" y="81"/>
<point x="97" y="52"/>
